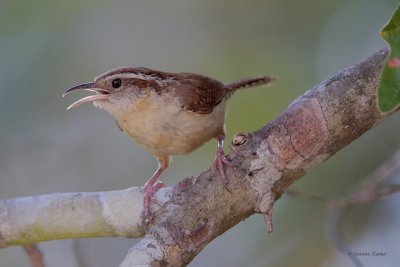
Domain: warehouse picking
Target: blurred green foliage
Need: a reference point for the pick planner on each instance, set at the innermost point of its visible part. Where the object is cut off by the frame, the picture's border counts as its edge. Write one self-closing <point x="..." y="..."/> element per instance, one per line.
<point x="389" y="87"/>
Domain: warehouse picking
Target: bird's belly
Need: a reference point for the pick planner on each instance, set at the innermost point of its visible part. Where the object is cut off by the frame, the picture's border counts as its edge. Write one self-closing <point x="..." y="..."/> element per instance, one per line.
<point x="173" y="131"/>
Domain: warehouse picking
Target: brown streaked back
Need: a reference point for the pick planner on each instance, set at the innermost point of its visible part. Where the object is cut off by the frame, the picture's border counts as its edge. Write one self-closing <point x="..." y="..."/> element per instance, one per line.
<point x="198" y="93"/>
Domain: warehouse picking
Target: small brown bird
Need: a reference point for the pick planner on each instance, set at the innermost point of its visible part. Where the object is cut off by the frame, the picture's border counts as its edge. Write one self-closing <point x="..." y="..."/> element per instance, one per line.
<point x="166" y="113"/>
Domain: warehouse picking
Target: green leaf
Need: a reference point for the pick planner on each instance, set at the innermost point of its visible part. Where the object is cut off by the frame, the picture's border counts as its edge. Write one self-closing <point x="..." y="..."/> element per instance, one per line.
<point x="389" y="87"/>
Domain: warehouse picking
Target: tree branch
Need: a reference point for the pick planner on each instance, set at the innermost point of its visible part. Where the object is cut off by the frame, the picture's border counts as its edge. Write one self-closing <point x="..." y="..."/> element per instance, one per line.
<point x="35" y="256"/>
<point x="313" y="128"/>
<point x="197" y="209"/>
<point x="36" y="219"/>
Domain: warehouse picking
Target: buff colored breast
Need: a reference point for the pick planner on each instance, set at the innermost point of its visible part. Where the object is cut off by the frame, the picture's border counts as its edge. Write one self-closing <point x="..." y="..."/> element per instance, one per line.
<point x="163" y="128"/>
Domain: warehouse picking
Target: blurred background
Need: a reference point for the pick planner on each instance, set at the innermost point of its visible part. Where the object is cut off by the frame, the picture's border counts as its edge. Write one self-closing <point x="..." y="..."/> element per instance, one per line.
<point x="49" y="46"/>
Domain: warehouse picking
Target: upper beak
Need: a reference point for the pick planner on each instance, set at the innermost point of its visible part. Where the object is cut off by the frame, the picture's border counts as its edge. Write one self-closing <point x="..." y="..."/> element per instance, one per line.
<point x="101" y="94"/>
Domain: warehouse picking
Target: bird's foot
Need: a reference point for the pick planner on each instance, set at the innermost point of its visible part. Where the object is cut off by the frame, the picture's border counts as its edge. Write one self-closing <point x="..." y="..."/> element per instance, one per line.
<point x="149" y="190"/>
<point x="219" y="162"/>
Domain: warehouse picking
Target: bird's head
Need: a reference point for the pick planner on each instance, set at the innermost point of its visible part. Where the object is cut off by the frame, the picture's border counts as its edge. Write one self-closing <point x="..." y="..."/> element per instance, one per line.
<point x="120" y="88"/>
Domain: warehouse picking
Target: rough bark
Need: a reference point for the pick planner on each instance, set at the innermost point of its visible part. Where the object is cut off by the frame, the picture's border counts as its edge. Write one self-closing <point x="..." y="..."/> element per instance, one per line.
<point x="197" y="209"/>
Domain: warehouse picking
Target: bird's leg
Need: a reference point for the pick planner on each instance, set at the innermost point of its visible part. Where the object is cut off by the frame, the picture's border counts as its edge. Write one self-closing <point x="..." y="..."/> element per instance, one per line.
<point x="220" y="159"/>
<point x="151" y="187"/>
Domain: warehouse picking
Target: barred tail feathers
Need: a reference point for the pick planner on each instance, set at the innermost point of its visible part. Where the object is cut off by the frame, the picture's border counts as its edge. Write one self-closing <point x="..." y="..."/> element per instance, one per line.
<point x="250" y="82"/>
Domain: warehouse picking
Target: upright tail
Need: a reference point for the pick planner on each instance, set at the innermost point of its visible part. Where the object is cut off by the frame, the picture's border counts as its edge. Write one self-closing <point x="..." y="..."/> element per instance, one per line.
<point x="249" y="82"/>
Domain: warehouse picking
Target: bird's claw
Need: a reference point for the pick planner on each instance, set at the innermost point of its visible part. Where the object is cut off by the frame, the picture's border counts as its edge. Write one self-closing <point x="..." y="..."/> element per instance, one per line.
<point x="149" y="191"/>
<point x="219" y="162"/>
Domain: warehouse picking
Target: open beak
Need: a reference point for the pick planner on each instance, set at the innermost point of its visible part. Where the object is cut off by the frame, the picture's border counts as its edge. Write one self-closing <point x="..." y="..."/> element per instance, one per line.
<point x="101" y="94"/>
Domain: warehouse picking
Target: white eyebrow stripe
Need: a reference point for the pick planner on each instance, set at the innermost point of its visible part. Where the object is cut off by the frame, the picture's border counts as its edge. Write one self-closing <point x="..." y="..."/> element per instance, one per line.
<point x="130" y="75"/>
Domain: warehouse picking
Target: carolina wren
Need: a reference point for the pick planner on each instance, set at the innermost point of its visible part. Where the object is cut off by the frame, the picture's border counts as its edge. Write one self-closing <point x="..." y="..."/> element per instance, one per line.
<point x="166" y="113"/>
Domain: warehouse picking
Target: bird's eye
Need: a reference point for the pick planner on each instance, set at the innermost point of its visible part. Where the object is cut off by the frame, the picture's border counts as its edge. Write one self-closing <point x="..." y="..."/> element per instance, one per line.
<point x="116" y="83"/>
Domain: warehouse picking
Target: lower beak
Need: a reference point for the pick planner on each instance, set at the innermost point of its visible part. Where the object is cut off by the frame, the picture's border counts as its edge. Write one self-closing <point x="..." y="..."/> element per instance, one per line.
<point x="101" y="94"/>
